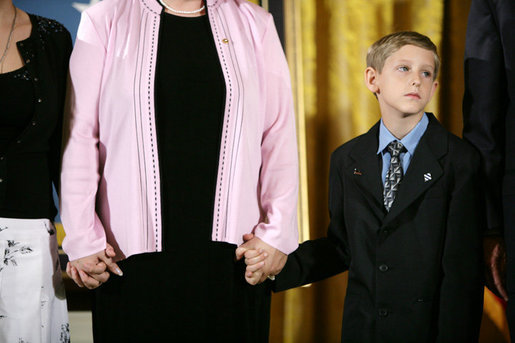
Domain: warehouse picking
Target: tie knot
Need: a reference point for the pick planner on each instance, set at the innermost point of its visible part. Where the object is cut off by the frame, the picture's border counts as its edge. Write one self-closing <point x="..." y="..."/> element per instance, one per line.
<point x="395" y="148"/>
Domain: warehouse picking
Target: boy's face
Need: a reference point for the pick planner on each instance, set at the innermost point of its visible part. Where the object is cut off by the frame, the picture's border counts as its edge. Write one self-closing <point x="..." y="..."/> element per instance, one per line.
<point x="405" y="85"/>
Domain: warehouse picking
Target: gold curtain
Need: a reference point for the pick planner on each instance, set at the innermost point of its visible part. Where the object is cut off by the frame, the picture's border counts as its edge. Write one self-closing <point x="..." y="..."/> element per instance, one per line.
<point x="327" y="60"/>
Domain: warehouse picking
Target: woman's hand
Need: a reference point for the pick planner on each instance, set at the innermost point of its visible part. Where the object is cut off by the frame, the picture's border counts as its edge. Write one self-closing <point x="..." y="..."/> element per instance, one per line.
<point x="93" y="270"/>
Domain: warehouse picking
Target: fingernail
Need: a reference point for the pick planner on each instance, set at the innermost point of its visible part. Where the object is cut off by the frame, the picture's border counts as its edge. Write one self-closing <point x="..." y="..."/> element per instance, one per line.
<point x="119" y="272"/>
<point x="266" y="255"/>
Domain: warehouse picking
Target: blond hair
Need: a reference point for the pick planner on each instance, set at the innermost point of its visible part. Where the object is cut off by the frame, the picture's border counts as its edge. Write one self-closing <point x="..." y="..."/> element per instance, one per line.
<point x="389" y="44"/>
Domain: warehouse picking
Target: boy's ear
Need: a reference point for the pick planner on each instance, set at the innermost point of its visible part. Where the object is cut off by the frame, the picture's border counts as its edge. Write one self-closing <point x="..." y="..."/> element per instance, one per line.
<point x="433" y="90"/>
<point x="371" y="80"/>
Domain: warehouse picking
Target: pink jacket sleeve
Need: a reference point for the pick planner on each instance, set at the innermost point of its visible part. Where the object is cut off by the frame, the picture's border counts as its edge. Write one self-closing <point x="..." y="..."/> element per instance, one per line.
<point x="279" y="171"/>
<point x="80" y="173"/>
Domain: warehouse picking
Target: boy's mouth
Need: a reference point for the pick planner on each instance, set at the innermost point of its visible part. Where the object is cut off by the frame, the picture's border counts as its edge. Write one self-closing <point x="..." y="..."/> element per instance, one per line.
<point x="413" y="95"/>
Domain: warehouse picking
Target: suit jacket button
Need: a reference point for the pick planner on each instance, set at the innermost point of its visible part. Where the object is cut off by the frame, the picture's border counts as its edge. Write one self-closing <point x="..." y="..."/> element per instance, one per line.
<point x="383" y="267"/>
<point x="383" y="312"/>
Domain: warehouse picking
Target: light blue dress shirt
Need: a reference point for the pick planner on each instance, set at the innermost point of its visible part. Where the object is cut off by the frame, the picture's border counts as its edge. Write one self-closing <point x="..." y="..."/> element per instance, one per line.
<point x="410" y="142"/>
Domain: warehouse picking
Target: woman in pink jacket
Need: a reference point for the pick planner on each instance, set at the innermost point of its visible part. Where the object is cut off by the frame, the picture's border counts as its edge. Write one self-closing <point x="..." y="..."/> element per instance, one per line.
<point x="180" y="139"/>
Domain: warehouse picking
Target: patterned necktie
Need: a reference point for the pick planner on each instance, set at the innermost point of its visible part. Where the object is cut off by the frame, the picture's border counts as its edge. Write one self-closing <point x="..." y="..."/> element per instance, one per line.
<point x="394" y="174"/>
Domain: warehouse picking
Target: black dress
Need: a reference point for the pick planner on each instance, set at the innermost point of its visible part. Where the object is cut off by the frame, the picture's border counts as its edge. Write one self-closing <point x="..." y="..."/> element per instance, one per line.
<point x="193" y="291"/>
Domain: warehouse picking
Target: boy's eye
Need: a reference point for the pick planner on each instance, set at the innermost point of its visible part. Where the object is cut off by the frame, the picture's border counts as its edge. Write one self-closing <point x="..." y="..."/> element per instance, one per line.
<point x="403" y="68"/>
<point x="426" y="74"/>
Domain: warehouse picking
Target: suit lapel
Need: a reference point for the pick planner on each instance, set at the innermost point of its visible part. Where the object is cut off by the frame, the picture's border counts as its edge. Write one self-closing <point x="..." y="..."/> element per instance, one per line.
<point x="424" y="169"/>
<point x="365" y="169"/>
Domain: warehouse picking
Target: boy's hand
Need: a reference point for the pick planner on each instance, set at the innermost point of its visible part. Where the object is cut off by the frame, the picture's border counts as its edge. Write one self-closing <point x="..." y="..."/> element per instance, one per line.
<point x="255" y="261"/>
<point x="495" y="266"/>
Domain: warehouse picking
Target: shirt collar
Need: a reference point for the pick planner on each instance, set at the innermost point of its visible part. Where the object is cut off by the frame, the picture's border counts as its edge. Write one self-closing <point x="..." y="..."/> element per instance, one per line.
<point x="410" y="141"/>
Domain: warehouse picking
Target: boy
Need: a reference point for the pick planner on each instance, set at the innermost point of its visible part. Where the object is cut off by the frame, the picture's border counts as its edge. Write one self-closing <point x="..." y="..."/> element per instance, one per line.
<point x="404" y="214"/>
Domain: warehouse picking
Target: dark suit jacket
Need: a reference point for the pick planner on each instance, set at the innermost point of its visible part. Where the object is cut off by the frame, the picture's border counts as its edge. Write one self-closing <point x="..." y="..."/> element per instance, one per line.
<point x="415" y="272"/>
<point x="489" y="103"/>
<point x="489" y="116"/>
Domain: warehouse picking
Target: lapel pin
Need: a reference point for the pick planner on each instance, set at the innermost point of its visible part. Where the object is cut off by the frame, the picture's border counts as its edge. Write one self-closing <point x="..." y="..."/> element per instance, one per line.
<point x="357" y="171"/>
<point x="427" y="177"/>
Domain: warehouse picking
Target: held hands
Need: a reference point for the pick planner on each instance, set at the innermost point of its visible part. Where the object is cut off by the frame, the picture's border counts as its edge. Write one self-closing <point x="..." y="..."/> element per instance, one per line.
<point x="495" y="265"/>
<point x="262" y="260"/>
<point x="93" y="270"/>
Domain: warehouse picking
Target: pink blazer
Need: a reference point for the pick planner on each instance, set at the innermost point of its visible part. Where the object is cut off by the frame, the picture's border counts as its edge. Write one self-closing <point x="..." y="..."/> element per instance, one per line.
<point x="110" y="172"/>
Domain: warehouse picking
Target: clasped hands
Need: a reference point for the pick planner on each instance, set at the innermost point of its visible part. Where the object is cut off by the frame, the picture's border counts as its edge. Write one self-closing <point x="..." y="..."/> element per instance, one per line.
<point x="93" y="270"/>
<point x="262" y="260"/>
